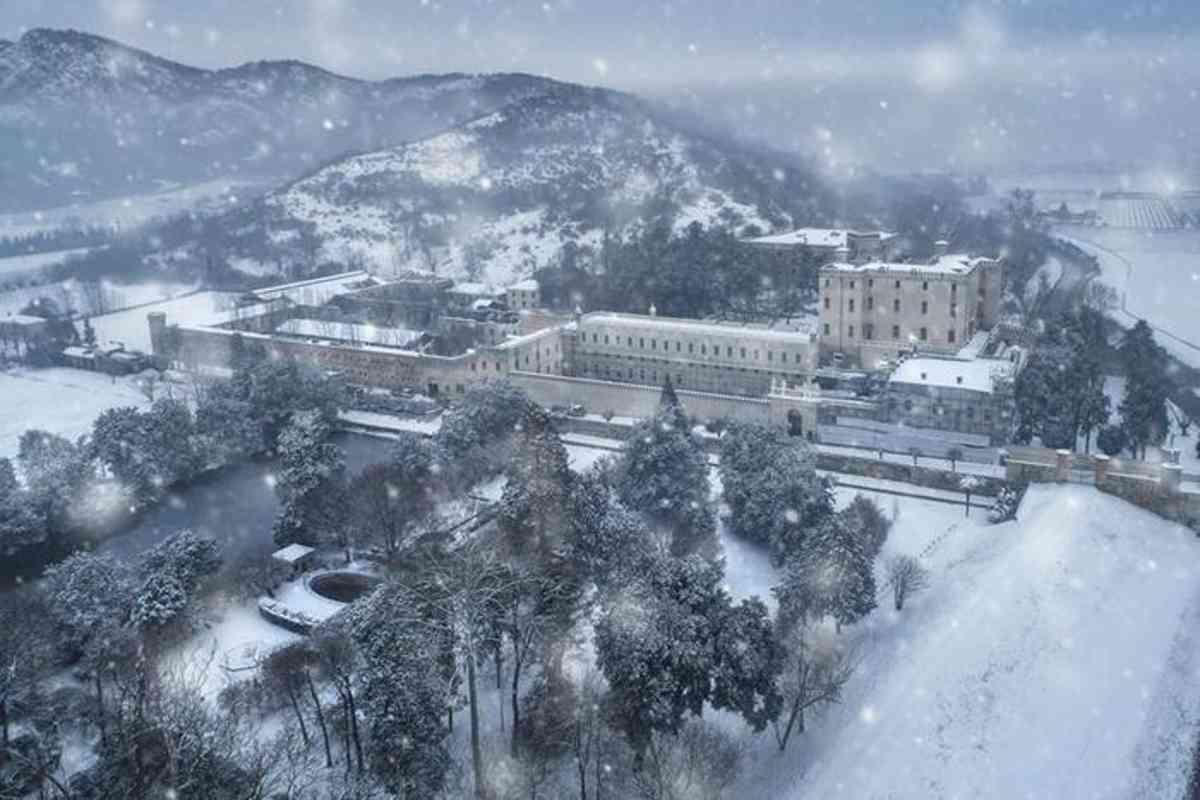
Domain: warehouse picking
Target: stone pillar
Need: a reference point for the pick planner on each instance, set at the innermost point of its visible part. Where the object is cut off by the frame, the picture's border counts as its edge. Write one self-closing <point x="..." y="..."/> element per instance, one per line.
<point x="158" y="330"/>
<point x="1101" y="463"/>
<point x="1172" y="476"/>
<point x="1062" y="465"/>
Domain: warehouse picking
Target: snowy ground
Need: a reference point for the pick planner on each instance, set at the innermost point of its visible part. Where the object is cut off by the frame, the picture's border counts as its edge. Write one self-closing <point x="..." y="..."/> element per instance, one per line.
<point x="82" y="298"/>
<point x="131" y="328"/>
<point x="60" y="400"/>
<point x="1050" y="657"/>
<point x="1157" y="273"/>
<point x="14" y="267"/>
<point x="128" y="212"/>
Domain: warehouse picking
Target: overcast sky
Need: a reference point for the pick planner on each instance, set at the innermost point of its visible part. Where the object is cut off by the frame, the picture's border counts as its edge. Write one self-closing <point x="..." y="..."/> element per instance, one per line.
<point x="809" y="73"/>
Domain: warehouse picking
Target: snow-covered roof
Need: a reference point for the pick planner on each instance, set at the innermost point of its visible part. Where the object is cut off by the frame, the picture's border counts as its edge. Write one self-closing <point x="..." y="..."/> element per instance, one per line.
<point x="349" y="332"/>
<point x="977" y="375"/>
<point x="23" y="319"/>
<point x="315" y="291"/>
<point x="527" y="285"/>
<point x="694" y="327"/>
<point x="474" y="289"/>
<point x="292" y="553"/>
<point x="944" y="265"/>
<point x="78" y="352"/>
<point x="817" y="237"/>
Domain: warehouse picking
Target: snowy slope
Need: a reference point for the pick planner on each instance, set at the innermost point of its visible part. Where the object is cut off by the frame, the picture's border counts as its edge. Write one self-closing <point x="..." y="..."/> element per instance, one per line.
<point x="499" y="197"/>
<point x="1053" y="657"/>
<point x="97" y="118"/>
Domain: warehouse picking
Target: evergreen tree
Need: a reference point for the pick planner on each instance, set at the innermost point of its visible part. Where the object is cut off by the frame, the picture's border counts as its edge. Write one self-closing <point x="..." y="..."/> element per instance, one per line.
<point x="663" y="474"/>
<point x="311" y="484"/>
<point x="832" y="576"/>
<point x="1144" y="405"/>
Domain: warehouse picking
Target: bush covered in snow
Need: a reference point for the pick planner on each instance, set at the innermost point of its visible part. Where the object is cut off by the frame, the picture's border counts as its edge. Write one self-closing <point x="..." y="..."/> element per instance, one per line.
<point x="1005" y="506"/>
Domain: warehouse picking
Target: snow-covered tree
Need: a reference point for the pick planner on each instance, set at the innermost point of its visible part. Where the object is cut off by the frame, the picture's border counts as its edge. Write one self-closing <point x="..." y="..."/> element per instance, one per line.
<point x="1144" y="405"/>
<point x="906" y="577"/>
<point x="772" y="489"/>
<point x="608" y="540"/>
<point x="403" y="690"/>
<point x="475" y="439"/>
<point x="158" y="602"/>
<point x="393" y="502"/>
<point x="185" y="556"/>
<point x="865" y="517"/>
<point x="674" y="641"/>
<point x="22" y="520"/>
<point x="25" y="652"/>
<point x="831" y="576"/>
<point x="86" y="593"/>
<point x="310" y="484"/>
<point x="55" y="469"/>
<point x="662" y="473"/>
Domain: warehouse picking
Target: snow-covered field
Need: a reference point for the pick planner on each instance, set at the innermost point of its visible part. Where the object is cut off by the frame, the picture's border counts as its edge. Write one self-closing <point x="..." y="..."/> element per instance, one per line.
<point x="60" y="400"/>
<point x="82" y="298"/>
<point x="1051" y="657"/>
<point x="134" y="210"/>
<point x="1158" y="275"/>
<point x="14" y="267"/>
<point x="131" y="328"/>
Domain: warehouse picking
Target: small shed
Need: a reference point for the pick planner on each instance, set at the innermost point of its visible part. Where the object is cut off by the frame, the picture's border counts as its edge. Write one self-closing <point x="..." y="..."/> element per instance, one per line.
<point x="297" y="558"/>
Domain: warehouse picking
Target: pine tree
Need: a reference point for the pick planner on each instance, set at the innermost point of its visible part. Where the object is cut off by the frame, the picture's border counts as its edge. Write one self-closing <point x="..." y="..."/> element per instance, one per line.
<point x="1144" y="405"/>
<point x="663" y="474"/>
<point x="832" y="576"/>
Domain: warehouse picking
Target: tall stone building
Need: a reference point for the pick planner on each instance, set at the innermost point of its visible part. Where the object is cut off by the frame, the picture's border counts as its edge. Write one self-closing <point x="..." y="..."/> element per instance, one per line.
<point x="876" y="311"/>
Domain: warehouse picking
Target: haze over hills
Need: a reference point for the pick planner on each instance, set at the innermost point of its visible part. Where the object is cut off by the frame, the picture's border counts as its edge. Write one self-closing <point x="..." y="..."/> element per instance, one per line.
<point x="82" y="116"/>
<point x="487" y="176"/>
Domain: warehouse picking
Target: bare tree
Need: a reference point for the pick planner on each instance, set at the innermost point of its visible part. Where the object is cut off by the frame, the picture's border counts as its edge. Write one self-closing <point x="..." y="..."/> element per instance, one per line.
<point x="701" y="762"/>
<point x="906" y="576"/>
<point x="955" y="454"/>
<point x="817" y="666"/>
<point x="916" y="453"/>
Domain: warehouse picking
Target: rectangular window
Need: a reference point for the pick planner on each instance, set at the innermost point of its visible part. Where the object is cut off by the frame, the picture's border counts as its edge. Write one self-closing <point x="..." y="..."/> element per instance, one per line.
<point x="950" y="336"/>
<point x="783" y="356"/>
<point x="678" y="347"/>
<point x="850" y="331"/>
<point x="868" y="332"/>
<point x="954" y="309"/>
<point x="852" y="304"/>
<point x="729" y="352"/>
<point x="631" y="341"/>
<point x="691" y="348"/>
<point x="924" y="334"/>
<point x="826" y="328"/>
<point x="925" y="286"/>
<point x="653" y="344"/>
<point x="826" y="302"/>
<point x="953" y="288"/>
<point x="743" y="352"/>
<point x="606" y="338"/>
<point x="924" y="307"/>
<point x="851" y="284"/>
<point x="897" y="284"/>
<point x="703" y="350"/>
<point x="870" y="303"/>
<point x="827" y="282"/>
<point x="770" y="356"/>
<point x="896" y="306"/>
<point x="870" y="283"/>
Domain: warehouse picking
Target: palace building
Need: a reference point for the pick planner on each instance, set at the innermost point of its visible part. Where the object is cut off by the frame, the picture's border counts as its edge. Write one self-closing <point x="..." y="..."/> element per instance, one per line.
<point x="872" y="313"/>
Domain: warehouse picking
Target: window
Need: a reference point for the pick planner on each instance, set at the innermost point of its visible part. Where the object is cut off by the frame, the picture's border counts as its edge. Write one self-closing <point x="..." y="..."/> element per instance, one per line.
<point x="954" y="309"/>
<point x="743" y="353"/>
<point x="950" y="336"/>
<point x="870" y="283"/>
<point x="924" y="307"/>
<point x="678" y="347"/>
<point x="606" y="338"/>
<point x="870" y="303"/>
<point x="953" y="288"/>
<point x="729" y="352"/>
<point x="826" y="302"/>
<point x="895" y="331"/>
<point x="703" y="349"/>
<point x="691" y="348"/>
<point x="826" y="328"/>
<point x="783" y="357"/>
<point x="631" y="341"/>
<point x="868" y="332"/>
<point x="924" y="334"/>
<point x="896" y="305"/>
<point x="850" y="332"/>
<point x="756" y="355"/>
<point x="827" y="283"/>
<point x="641" y="343"/>
<point x="925" y="286"/>
<point x="851" y="284"/>
<point x="897" y="284"/>
<point x="770" y="356"/>
<point x="851" y="303"/>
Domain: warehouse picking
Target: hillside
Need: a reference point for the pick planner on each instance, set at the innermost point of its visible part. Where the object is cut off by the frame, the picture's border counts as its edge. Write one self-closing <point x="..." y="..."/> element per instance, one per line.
<point x="83" y="117"/>
<point x="502" y="195"/>
<point x="1051" y="657"/>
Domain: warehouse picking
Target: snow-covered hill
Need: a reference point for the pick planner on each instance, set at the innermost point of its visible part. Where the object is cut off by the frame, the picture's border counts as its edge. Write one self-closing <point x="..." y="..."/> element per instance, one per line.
<point x="85" y="117"/>
<point x="1051" y="657"/>
<point x="502" y="195"/>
